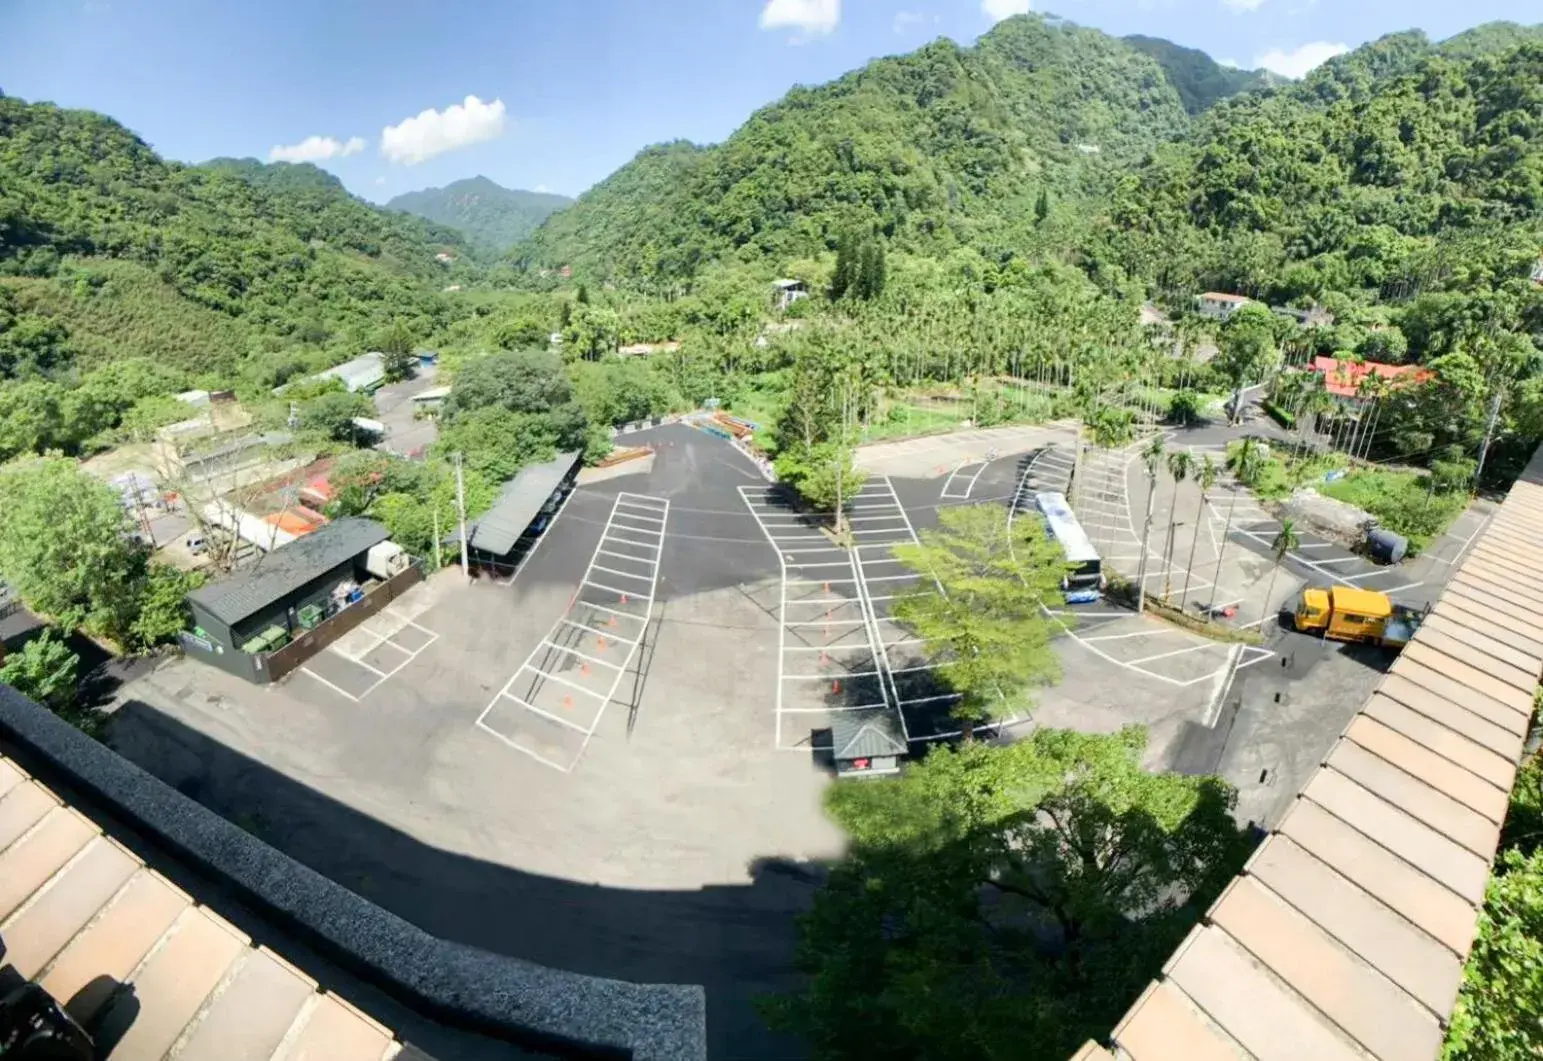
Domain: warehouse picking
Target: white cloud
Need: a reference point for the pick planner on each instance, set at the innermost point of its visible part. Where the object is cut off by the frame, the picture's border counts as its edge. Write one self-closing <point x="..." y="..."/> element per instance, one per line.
<point x="814" y="17"/>
<point x="412" y="140"/>
<point x="1231" y="64"/>
<point x="1243" y="5"/>
<point x="316" y="149"/>
<point x="542" y="188"/>
<point x="380" y="182"/>
<point x="997" y="10"/>
<point x="1299" y="61"/>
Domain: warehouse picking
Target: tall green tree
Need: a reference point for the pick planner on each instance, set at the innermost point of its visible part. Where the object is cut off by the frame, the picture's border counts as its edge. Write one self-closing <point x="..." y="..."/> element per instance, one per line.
<point x="45" y="670"/>
<point x="845" y="276"/>
<point x="64" y="545"/>
<point x="981" y="606"/>
<point x="1152" y="457"/>
<point x="1284" y="543"/>
<point x="1248" y="351"/>
<point x="1205" y="478"/>
<point x="396" y="348"/>
<point x="1180" y="463"/>
<point x="1001" y="903"/>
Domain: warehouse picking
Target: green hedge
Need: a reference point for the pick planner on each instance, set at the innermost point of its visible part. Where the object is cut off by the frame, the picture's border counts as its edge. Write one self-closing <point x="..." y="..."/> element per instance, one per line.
<point x="1281" y="416"/>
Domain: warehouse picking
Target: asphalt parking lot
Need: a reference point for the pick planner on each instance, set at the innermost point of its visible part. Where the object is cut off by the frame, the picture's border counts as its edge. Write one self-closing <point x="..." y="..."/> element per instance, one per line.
<point x="530" y="782"/>
<point x="606" y="763"/>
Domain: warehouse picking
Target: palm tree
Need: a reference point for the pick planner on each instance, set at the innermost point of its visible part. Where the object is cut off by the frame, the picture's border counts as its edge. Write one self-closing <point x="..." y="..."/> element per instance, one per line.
<point x="1286" y="540"/>
<point x="1179" y="465"/>
<point x="1205" y="475"/>
<point x="1152" y="457"/>
<point x="1221" y="548"/>
<point x="1246" y="461"/>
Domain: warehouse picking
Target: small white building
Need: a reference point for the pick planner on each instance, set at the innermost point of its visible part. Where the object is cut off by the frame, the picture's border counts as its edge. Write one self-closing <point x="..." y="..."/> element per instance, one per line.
<point x="786" y="292"/>
<point x="1220" y="306"/>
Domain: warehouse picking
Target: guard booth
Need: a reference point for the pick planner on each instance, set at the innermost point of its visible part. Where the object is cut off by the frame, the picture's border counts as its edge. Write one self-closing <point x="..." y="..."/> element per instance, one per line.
<point x="867" y="743"/>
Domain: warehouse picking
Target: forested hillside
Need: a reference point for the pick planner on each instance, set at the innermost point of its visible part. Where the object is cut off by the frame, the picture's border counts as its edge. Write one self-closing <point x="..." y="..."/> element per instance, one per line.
<point x="1200" y="80"/>
<point x="943" y="147"/>
<point x="281" y="249"/>
<point x="489" y="215"/>
<point x="124" y="277"/>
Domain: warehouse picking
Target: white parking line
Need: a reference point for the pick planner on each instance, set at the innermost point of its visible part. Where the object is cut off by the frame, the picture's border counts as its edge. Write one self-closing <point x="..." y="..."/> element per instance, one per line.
<point x="1175" y="652"/>
<point x="382" y="676"/>
<point x="644" y="599"/>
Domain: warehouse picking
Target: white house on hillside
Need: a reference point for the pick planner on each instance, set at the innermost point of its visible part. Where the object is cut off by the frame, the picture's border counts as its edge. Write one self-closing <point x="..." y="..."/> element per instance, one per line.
<point x="1221" y="306"/>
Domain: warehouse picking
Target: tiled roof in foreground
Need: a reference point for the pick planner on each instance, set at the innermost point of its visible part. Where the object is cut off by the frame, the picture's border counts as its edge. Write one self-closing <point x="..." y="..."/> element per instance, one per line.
<point x="1344" y="937"/>
<point x="134" y="958"/>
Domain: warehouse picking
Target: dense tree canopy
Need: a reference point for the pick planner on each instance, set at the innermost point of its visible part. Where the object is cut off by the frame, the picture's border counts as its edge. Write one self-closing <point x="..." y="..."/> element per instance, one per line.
<point x="1005" y="902"/>
<point x="490" y="216"/>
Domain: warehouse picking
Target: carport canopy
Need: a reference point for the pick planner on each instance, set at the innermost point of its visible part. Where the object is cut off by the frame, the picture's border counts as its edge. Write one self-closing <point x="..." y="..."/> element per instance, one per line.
<point x="518" y="504"/>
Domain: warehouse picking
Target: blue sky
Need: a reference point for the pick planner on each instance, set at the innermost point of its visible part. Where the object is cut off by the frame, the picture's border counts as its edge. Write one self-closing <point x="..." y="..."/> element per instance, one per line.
<point x="563" y="92"/>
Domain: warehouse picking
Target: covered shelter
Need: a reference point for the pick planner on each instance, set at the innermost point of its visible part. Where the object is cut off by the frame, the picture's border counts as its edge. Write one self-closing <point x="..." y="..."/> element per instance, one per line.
<point x="499" y="537"/>
<point x="290" y="590"/>
<point x="867" y="743"/>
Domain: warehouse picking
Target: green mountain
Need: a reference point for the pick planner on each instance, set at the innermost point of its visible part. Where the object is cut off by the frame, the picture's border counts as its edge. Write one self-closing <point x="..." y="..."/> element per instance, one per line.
<point x="941" y="147"/>
<point x="150" y="276"/>
<point x="1393" y="172"/>
<point x="1199" y="79"/>
<point x="487" y="214"/>
<point x="282" y="248"/>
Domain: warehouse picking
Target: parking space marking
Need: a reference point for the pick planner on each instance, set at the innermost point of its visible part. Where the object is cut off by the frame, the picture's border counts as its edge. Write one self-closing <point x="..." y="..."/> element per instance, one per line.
<point x="544" y="649"/>
<point x="382" y="676"/>
<point x="805" y="544"/>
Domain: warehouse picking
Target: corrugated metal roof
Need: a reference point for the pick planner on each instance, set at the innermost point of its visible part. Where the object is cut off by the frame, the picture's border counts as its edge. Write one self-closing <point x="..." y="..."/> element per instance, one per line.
<point x="1345" y="935"/>
<point x="288" y="568"/>
<point x="125" y="950"/>
<point x="518" y="504"/>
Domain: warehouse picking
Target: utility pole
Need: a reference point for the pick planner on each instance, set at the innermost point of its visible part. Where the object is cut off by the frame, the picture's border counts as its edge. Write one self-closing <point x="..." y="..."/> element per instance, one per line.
<point x="460" y="505"/>
<point x="1489" y="436"/>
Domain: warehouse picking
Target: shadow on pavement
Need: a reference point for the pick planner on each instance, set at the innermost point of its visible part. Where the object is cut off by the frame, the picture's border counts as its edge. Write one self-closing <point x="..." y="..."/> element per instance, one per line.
<point x="735" y="940"/>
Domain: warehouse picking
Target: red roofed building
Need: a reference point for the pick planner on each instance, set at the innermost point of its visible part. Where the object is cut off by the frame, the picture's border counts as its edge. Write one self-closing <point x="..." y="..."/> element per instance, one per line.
<point x="1343" y="378"/>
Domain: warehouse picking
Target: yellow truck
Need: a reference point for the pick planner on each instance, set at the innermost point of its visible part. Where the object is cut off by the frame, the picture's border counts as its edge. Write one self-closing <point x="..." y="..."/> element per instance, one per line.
<point x="1348" y="614"/>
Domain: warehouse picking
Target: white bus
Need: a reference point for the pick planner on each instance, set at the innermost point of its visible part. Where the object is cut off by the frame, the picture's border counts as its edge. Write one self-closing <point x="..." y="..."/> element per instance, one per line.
<point x="1084" y="584"/>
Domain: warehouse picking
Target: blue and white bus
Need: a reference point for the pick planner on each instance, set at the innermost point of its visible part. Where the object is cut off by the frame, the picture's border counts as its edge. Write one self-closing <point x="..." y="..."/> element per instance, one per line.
<point x="1084" y="584"/>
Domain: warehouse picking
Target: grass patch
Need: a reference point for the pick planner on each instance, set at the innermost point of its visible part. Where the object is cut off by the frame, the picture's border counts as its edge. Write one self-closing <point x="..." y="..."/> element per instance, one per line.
<point x="1403" y="502"/>
<point x="1279" y="475"/>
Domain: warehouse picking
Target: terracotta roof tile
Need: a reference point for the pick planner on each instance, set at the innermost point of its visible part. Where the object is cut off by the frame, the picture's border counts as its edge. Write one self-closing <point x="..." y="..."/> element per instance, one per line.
<point x="1419" y="761"/>
<point x="1474" y="616"/>
<point x="1366" y="1005"/>
<point x="1445" y="634"/>
<point x="1466" y="668"/>
<point x="1409" y="957"/>
<point x="1164" y="1023"/>
<point x="1480" y="583"/>
<point x="139" y="960"/>
<point x="1458" y="682"/>
<point x="1495" y="610"/>
<point x="1397" y="884"/>
<point x="1267" y="1019"/>
<point x="1479" y="719"/>
<point x="1492" y="766"/>
<point x="1403" y="834"/>
<point x="1417" y="799"/>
